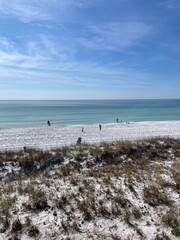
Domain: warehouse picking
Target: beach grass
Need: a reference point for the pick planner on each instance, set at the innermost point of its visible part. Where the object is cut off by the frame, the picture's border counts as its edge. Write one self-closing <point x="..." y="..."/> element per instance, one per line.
<point x="102" y="187"/>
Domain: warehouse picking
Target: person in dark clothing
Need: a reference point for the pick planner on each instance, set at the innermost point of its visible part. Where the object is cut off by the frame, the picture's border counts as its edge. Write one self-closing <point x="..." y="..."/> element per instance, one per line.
<point x="79" y="140"/>
<point x="48" y="123"/>
<point x="100" y="127"/>
<point x="117" y="120"/>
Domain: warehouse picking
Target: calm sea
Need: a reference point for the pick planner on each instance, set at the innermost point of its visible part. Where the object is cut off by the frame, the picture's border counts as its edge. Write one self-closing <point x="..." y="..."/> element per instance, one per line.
<point x="23" y="113"/>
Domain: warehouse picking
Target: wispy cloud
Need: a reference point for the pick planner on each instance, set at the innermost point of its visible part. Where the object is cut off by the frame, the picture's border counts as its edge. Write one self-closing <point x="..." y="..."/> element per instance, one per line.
<point x="24" y="10"/>
<point x="82" y="45"/>
<point x="45" y="52"/>
<point x="10" y="56"/>
<point x="116" y="35"/>
<point x="6" y="45"/>
<point x="42" y="10"/>
<point x="172" y="4"/>
<point x="82" y="74"/>
<point x="47" y="60"/>
<point x="40" y="68"/>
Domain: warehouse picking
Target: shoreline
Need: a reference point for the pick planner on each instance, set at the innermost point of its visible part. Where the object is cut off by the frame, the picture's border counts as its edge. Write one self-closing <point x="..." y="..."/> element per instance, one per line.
<point x="44" y="137"/>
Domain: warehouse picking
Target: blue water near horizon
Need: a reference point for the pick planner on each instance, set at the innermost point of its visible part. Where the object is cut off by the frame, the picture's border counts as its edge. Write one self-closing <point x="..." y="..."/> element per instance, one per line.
<point x="65" y="112"/>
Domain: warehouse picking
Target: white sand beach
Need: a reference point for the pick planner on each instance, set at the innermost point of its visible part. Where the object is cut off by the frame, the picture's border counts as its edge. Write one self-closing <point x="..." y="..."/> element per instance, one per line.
<point x="45" y="137"/>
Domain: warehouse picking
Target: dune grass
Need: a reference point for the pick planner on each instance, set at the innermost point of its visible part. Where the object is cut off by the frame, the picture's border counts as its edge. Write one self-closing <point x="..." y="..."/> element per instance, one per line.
<point x="109" y="186"/>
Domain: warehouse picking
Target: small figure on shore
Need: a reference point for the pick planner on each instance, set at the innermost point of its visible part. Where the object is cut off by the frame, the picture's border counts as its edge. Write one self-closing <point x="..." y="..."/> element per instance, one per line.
<point x="82" y="129"/>
<point x="117" y="120"/>
<point x="48" y="123"/>
<point x="79" y="140"/>
<point x="100" y="127"/>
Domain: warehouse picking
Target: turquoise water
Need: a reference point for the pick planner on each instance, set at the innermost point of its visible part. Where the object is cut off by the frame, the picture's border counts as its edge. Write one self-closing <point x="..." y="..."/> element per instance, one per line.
<point x="23" y="113"/>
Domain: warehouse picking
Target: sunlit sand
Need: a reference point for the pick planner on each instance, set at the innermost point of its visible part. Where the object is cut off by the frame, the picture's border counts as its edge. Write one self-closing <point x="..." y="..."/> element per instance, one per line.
<point x="46" y="137"/>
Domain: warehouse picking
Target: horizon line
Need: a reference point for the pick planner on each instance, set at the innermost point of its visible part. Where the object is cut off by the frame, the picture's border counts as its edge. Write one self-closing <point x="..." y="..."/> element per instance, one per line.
<point x="103" y="99"/>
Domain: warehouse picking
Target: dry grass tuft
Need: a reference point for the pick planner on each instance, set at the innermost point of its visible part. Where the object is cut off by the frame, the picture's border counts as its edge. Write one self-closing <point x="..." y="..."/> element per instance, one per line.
<point x="154" y="196"/>
<point x="170" y="219"/>
<point x="175" y="170"/>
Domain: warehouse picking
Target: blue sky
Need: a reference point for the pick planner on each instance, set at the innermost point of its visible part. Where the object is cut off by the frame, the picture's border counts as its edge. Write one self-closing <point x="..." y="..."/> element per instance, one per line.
<point x="89" y="49"/>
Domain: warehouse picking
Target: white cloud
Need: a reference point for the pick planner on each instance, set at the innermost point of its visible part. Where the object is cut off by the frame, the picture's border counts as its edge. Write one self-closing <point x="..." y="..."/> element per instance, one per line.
<point x="6" y="45"/>
<point x="115" y="36"/>
<point x="47" y="61"/>
<point x="24" y="10"/>
<point x="46" y="52"/>
<point x="33" y="10"/>
<point x="17" y="67"/>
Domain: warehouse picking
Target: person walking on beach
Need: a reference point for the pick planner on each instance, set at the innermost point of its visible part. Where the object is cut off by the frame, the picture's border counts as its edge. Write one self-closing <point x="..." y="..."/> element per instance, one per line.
<point x="100" y="127"/>
<point x="48" y="123"/>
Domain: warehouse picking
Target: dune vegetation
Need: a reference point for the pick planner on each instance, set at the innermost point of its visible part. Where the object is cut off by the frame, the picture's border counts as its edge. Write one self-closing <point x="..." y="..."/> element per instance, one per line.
<point x="120" y="190"/>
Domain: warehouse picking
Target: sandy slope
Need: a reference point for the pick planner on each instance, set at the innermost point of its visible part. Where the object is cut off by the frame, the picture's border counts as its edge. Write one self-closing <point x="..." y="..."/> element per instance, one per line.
<point x="55" y="136"/>
<point x="124" y="191"/>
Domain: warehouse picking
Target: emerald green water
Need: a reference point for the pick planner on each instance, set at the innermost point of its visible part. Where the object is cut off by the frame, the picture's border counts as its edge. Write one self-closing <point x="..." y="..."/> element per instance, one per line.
<point x="29" y="113"/>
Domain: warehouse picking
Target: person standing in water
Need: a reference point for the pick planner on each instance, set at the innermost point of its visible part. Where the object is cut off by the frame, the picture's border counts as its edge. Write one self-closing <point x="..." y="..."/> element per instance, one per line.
<point x="100" y="127"/>
<point x="48" y="123"/>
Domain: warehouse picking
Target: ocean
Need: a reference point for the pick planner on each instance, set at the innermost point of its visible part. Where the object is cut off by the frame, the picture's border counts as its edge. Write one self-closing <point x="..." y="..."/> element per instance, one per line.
<point x="65" y="112"/>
